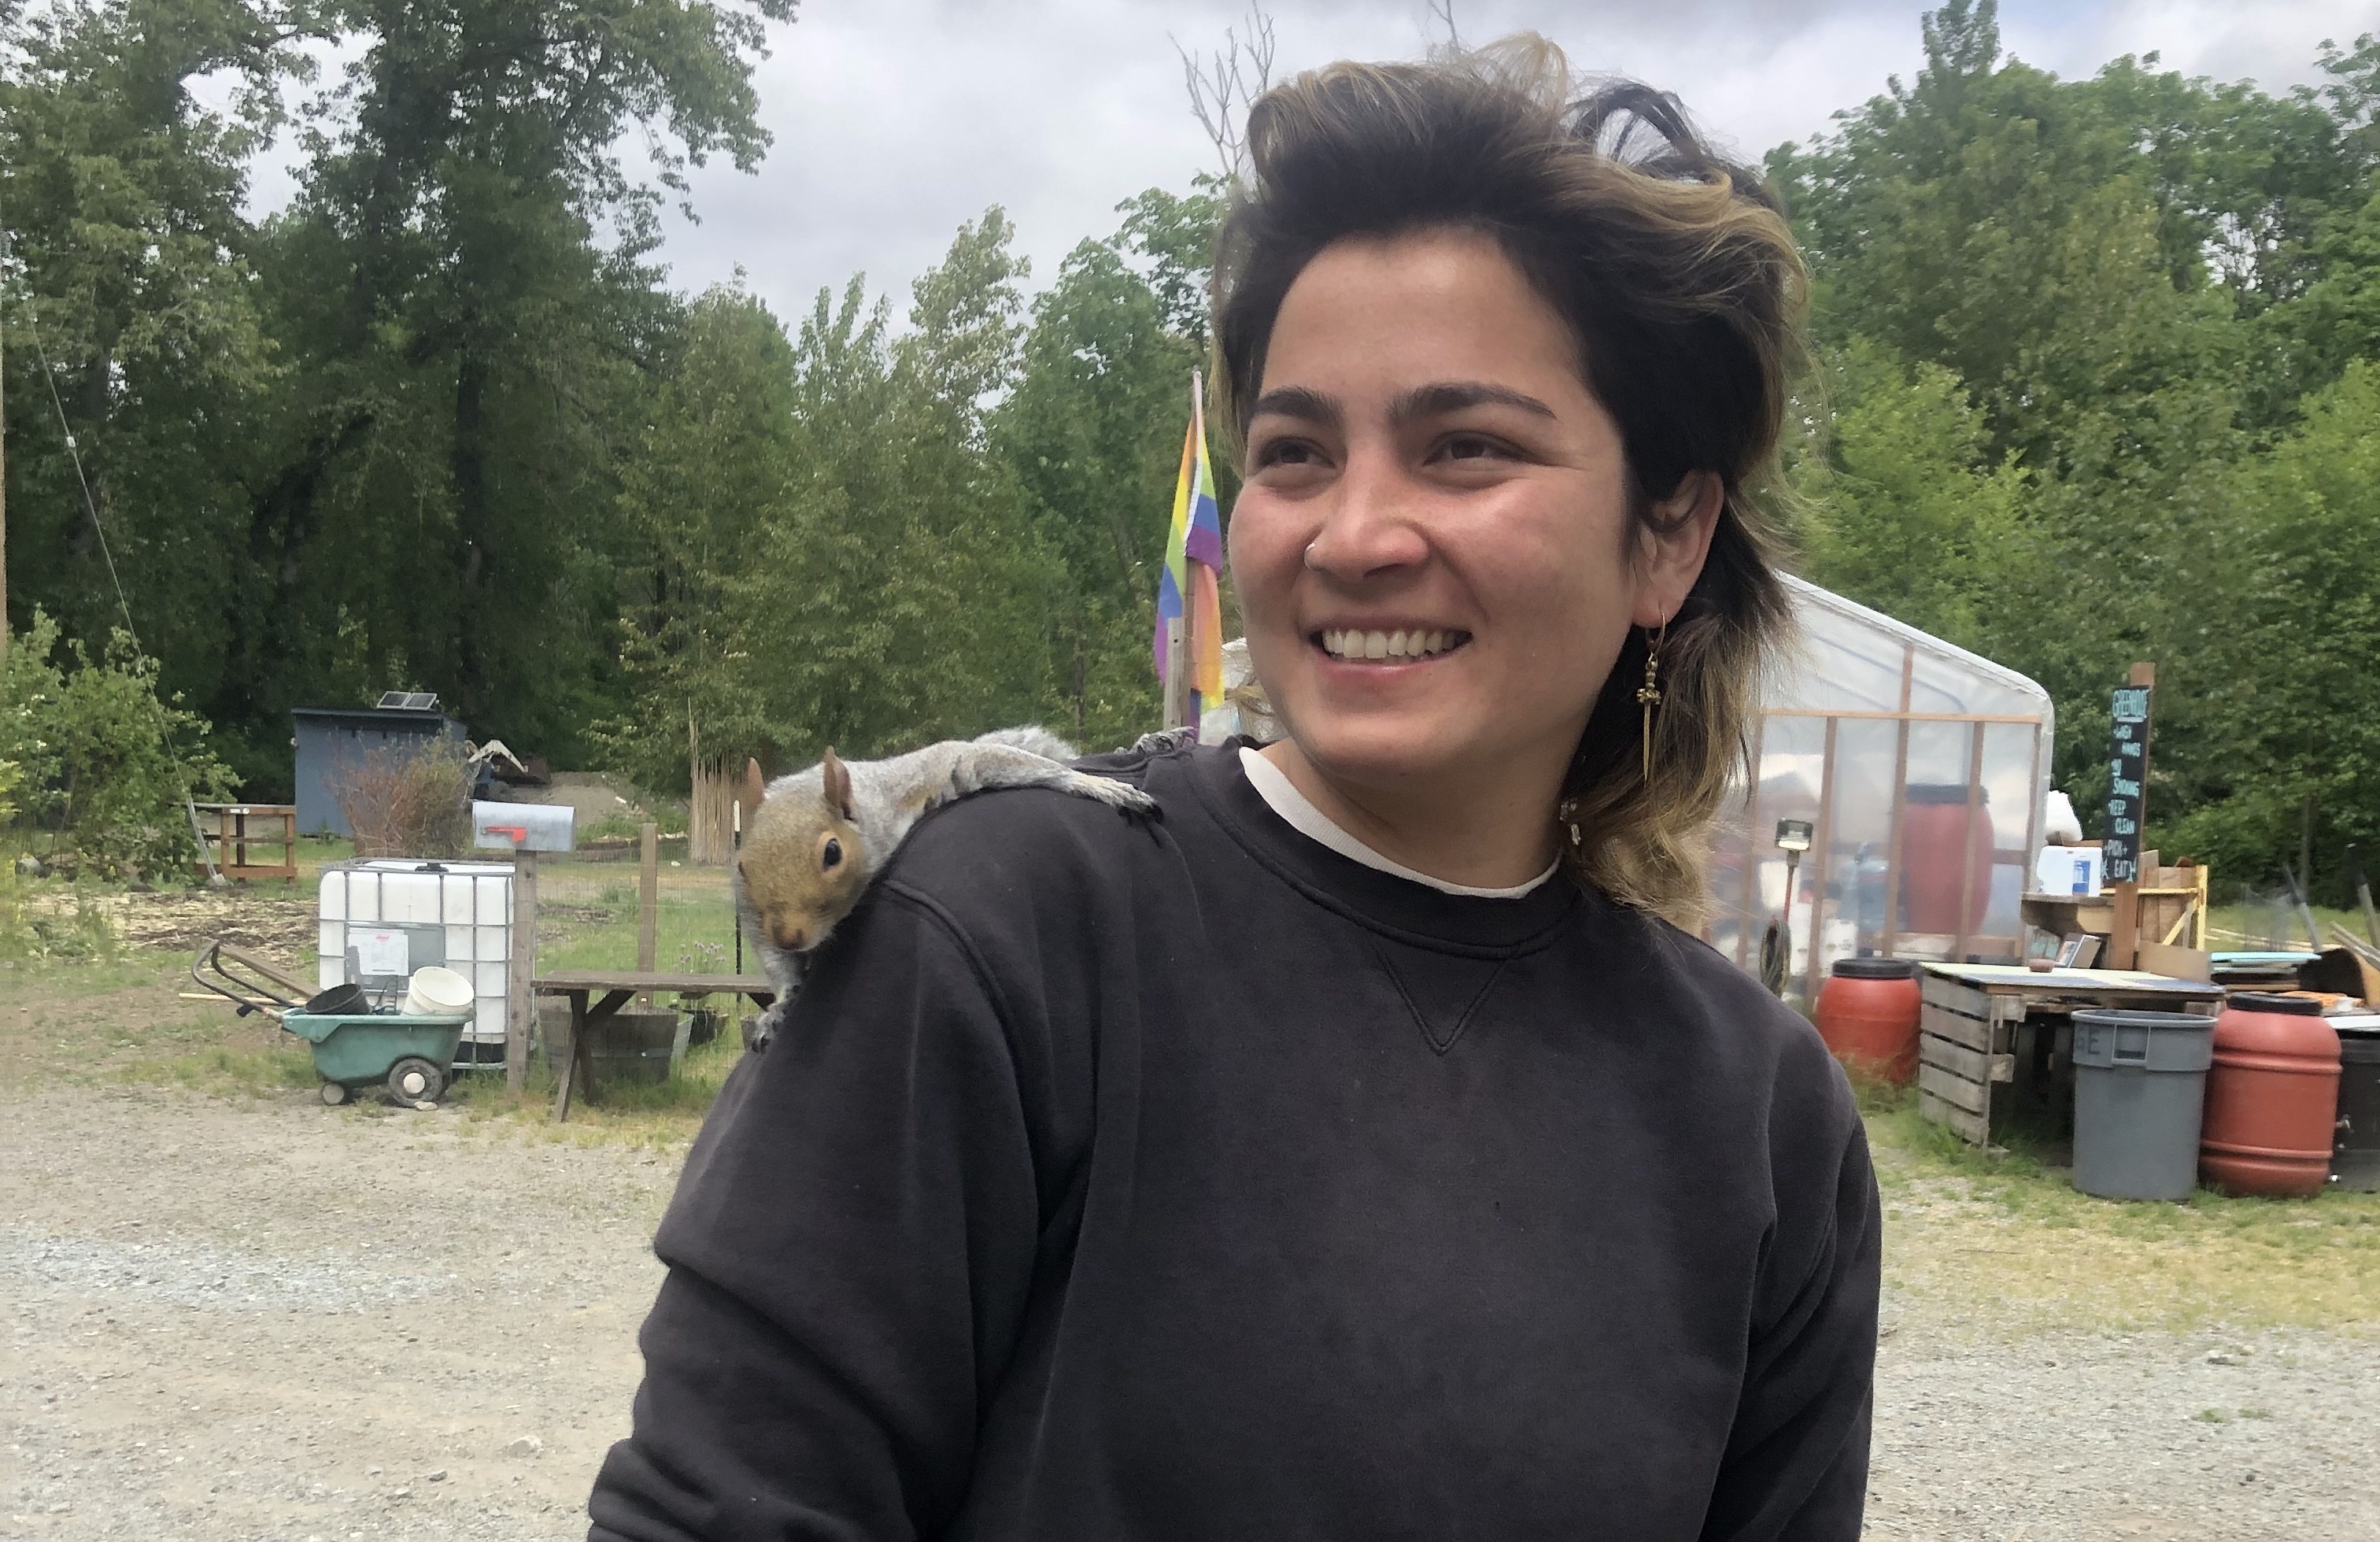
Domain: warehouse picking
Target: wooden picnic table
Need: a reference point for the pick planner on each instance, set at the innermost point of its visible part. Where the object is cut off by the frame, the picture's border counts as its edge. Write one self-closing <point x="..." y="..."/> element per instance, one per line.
<point x="616" y="989"/>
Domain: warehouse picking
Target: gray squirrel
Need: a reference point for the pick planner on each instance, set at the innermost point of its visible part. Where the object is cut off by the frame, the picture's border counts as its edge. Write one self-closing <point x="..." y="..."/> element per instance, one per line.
<point x="822" y="834"/>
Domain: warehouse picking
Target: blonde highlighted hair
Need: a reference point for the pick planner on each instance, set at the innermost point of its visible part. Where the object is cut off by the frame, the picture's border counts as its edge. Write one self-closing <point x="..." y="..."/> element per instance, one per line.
<point x="1682" y="284"/>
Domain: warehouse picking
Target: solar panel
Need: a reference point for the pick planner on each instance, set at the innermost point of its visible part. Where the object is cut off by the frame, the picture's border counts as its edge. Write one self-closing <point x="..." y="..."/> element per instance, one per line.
<point x="409" y="701"/>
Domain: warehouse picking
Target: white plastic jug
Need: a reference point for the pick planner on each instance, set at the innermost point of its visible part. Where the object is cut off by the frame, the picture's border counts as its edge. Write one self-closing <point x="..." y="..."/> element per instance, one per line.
<point x="437" y="992"/>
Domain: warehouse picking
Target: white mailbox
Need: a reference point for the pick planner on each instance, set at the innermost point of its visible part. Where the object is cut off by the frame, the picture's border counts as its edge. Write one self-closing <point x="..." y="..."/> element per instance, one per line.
<point x="523" y="826"/>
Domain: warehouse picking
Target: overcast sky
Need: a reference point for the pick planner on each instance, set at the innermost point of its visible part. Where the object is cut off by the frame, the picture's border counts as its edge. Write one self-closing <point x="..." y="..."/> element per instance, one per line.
<point x="894" y="120"/>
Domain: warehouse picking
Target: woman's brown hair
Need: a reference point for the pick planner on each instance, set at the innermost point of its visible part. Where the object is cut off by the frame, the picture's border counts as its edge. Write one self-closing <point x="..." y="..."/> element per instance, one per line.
<point x="1681" y="282"/>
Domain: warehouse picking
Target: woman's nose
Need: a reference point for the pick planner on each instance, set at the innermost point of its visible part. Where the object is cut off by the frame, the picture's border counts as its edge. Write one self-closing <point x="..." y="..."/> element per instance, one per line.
<point x="1368" y="525"/>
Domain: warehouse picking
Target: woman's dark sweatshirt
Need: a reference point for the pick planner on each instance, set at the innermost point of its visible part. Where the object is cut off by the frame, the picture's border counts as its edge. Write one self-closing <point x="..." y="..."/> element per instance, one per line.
<point x="1116" y="1182"/>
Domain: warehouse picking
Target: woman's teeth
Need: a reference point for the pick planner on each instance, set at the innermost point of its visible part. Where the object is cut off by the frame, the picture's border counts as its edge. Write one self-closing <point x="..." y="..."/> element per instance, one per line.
<point x="1417" y="644"/>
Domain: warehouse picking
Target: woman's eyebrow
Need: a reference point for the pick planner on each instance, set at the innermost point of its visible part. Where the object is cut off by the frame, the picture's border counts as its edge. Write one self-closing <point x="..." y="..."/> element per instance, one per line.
<point x="1302" y="403"/>
<point x="1444" y="396"/>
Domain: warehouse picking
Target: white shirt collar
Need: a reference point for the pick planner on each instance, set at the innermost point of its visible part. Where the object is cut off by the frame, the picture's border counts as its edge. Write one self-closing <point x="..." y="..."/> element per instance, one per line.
<point x="1283" y="798"/>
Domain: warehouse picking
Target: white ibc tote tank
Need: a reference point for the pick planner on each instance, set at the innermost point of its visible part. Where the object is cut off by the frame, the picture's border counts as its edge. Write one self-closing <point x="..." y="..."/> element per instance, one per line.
<point x="397" y="915"/>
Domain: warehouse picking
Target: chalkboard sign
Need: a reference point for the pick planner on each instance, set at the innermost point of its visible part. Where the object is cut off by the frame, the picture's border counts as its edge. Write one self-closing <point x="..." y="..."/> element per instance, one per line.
<point x="2128" y="761"/>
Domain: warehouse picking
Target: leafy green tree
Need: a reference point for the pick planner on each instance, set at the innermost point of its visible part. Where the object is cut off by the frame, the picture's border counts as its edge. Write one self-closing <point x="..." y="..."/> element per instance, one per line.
<point x="100" y="755"/>
<point x="2135" y="280"/>
<point x="1907" y="512"/>
<point x="901" y="594"/>
<point x="2273" y="635"/>
<point x="1093" y="432"/>
<point x="467" y="304"/>
<point x="132" y="303"/>
<point x="2009" y="226"/>
<point x="700" y="485"/>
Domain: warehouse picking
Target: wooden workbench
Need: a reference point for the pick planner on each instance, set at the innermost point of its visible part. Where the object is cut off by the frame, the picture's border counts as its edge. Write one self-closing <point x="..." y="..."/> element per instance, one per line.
<point x="1984" y="1024"/>
<point x="616" y="989"/>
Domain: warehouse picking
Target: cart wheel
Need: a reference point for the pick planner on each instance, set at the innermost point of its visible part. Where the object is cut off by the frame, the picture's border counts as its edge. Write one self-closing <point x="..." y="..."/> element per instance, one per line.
<point x="334" y="1093"/>
<point x="416" y="1080"/>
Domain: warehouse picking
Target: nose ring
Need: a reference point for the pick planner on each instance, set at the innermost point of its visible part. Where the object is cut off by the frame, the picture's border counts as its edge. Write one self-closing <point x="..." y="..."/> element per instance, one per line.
<point x="1309" y="554"/>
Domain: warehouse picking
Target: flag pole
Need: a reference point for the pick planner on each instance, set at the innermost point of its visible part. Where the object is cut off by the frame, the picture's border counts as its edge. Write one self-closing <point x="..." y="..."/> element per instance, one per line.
<point x="1177" y="629"/>
<point x="1177" y="673"/>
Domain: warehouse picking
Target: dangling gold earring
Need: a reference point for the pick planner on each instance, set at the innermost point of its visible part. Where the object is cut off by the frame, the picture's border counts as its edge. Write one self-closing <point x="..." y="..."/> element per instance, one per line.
<point x="1648" y="695"/>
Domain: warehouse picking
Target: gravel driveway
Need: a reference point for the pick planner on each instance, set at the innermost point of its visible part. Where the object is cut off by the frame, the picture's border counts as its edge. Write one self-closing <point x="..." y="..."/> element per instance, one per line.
<point x="268" y="1319"/>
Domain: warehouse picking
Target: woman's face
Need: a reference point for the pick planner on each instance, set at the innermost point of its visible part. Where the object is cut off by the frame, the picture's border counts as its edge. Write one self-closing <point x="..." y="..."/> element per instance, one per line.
<point x="1432" y="549"/>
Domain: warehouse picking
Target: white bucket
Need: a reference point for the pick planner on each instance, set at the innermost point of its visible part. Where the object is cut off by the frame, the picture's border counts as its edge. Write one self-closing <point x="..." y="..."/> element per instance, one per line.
<point x="437" y="992"/>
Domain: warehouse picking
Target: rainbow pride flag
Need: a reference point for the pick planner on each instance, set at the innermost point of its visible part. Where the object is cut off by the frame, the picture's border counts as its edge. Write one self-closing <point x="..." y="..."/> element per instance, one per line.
<point x="1190" y="586"/>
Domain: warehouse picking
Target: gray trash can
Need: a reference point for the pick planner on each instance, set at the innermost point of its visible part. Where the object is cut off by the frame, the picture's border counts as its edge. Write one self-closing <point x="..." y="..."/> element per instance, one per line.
<point x="2140" y="1090"/>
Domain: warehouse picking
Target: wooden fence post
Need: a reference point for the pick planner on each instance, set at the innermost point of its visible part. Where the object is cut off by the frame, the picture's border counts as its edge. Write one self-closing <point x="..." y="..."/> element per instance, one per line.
<point x="649" y="899"/>
<point x="520" y="1001"/>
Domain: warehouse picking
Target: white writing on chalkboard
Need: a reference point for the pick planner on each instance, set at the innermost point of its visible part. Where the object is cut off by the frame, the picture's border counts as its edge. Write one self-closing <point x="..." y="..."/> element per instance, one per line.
<point x="2127" y="752"/>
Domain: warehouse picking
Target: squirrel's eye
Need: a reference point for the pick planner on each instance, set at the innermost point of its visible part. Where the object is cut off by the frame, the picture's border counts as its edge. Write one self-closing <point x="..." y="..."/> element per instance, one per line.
<point x="832" y="856"/>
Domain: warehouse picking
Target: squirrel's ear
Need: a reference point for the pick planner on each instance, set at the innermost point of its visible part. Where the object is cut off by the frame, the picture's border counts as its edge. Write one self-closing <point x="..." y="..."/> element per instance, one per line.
<point x="756" y="790"/>
<point x="838" y="785"/>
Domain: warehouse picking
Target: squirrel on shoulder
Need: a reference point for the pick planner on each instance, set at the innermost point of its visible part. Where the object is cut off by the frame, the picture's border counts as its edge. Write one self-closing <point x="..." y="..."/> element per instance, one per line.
<point x="822" y="834"/>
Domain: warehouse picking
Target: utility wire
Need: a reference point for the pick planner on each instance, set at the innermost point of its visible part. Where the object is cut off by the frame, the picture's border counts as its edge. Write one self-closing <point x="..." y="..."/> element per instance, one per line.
<point x="91" y="507"/>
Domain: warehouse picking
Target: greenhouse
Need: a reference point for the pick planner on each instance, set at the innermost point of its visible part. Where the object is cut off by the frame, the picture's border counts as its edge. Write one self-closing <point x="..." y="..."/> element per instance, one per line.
<point x="1920" y="770"/>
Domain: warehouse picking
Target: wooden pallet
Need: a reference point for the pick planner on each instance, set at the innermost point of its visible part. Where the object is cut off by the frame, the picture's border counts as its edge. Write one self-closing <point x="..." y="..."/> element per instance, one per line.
<point x="1966" y="1041"/>
<point x="1978" y="1024"/>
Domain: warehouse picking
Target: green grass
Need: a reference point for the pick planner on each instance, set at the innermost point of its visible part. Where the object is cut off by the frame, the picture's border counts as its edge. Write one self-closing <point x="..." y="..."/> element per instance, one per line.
<point x="49" y="919"/>
<point x="224" y="1069"/>
<point x="2009" y="1240"/>
<point x="657" y="1115"/>
<point x="122" y="971"/>
<point x="115" y="1014"/>
<point x="595" y="906"/>
<point x="2241" y="928"/>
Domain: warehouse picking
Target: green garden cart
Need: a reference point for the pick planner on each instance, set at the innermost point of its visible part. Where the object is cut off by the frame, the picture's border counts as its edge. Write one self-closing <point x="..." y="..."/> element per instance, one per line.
<point x="354" y="1048"/>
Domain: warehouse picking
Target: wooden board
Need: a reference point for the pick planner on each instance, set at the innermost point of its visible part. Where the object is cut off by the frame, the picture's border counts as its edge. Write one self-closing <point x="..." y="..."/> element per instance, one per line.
<point x="1981" y="1036"/>
<point x="1968" y="1064"/>
<point x="1956" y="1091"/>
<point x="2178" y="963"/>
<point x="653" y="980"/>
<point x="2015" y="979"/>
<point x="1956" y="995"/>
<point x="1969" y="1126"/>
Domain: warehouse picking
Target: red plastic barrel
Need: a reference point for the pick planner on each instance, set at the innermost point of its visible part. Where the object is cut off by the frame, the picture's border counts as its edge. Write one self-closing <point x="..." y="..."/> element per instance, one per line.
<point x="1944" y="844"/>
<point x="1867" y="1014"/>
<point x="2272" y="1098"/>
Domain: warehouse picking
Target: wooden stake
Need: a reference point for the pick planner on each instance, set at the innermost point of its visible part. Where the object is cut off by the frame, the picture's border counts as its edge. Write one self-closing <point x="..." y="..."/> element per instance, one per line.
<point x="648" y="896"/>
<point x="1177" y="674"/>
<point x="520" y="1000"/>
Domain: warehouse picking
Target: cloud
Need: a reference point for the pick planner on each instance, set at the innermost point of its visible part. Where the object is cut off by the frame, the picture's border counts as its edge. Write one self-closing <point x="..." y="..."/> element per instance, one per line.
<point x="894" y="120"/>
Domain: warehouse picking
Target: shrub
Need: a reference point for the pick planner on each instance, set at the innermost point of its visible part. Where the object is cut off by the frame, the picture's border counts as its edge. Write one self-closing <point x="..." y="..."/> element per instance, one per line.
<point x="98" y="756"/>
<point x="405" y="801"/>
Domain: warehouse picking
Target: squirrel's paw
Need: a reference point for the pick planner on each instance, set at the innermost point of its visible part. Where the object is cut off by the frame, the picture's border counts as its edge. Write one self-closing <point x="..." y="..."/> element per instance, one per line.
<point x="765" y="1027"/>
<point x="1122" y="797"/>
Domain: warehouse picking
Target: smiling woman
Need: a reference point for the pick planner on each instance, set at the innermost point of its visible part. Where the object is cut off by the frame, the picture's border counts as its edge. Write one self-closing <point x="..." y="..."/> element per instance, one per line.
<point x="1489" y="348"/>
<point x="1329" y="1160"/>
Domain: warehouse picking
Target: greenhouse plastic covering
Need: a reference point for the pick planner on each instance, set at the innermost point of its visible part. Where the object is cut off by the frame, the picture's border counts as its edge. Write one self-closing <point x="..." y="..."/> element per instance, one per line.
<point x="1922" y="769"/>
